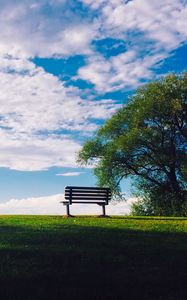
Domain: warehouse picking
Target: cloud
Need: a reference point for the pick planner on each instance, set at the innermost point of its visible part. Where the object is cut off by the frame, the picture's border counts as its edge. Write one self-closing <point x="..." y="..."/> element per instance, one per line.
<point x="34" y="153"/>
<point x="60" y="28"/>
<point x="49" y="28"/>
<point x="41" y="205"/>
<point x="39" y="101"/>
<point x="125" y="70"/>
<point x="154" y="19"/>
<point x="38" y="116"/>
<point x="150" y="31"/>
<point x="50" y="205"/>
<point x="69" y="174"/>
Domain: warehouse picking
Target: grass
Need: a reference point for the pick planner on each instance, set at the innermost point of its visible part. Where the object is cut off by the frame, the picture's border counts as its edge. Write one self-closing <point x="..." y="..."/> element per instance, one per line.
<point x="46" y="257"/>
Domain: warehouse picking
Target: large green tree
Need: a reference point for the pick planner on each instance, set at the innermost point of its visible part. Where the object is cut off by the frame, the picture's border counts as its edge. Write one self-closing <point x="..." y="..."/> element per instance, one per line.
<point x="147" y="140"/>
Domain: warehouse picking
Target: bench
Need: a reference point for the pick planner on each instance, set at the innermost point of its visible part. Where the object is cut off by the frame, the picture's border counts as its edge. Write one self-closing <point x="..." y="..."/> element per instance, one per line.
<point x="86" y="195"/>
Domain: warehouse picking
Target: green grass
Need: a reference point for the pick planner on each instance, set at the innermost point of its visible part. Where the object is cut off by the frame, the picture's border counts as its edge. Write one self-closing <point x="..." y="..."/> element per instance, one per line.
<point x="45" y="257"/>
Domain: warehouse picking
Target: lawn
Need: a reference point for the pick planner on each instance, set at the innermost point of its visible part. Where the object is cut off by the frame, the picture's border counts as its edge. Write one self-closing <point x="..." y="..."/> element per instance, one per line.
<point x="47" y="257"/>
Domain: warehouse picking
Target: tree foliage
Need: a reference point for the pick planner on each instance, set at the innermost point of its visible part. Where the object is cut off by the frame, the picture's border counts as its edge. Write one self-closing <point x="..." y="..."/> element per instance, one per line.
<point x="147" y="140"/>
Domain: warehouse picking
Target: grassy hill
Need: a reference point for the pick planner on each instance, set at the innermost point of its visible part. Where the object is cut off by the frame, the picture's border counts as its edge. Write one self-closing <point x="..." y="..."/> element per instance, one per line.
<point x="46" y="257"/>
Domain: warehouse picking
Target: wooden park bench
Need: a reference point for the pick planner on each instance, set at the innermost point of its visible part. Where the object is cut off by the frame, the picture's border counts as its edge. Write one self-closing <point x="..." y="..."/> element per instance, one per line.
<point x="86" y="195"/>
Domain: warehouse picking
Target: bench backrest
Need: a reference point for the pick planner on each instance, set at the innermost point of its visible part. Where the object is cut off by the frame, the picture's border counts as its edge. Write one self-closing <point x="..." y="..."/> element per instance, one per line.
<point x="88" y="194"/>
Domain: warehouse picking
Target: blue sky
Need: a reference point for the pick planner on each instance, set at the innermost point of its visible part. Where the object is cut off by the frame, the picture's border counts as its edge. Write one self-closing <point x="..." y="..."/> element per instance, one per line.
<point x="66" y="66"/>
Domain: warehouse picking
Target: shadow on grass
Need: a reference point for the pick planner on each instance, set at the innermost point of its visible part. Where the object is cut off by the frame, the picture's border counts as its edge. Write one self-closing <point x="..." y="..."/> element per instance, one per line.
<point x="83" y="262"/>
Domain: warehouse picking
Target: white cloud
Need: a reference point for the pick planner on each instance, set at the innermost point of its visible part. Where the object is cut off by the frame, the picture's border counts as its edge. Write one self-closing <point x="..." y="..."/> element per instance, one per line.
<point x="162" y="21"/>
<point x="38" y="101"/>
<point x="50" y="205"/>
<point x="34" y="153"/>
<point x="28" y="31"/>
<point x="150" y="31"/>
<point x="35" y="111"/>
<point x="69" y="174"/>
<point x="125" y="70"/>
<point x="40" y="205"/>
<point x="94" y="4"/>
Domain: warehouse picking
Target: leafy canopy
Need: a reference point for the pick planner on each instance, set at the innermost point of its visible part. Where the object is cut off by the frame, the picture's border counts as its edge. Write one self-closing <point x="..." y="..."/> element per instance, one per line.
<point x="145" y="139"/>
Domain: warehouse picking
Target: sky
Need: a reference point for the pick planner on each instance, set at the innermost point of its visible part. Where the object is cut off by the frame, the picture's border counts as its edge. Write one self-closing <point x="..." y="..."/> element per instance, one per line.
<point x="66" y="66"/>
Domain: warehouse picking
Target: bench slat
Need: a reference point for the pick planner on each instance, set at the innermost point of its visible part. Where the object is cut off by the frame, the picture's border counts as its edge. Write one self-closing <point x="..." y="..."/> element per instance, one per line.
<point x="104" y="193"/>
<point x="88" y="193"/>
<point x="87" y="198"/>
<point x="86" y="188"/>
<point x="74" y="196"/>
<point x="86" y="202"/>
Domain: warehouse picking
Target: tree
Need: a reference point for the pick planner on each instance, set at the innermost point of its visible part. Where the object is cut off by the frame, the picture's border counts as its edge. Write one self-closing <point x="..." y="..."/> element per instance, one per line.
<point x="146" y="139"/>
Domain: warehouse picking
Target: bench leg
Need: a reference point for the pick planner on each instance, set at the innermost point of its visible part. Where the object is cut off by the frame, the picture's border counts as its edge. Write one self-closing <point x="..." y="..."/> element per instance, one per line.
<point x="104" y="212"/>
<point x="67" y="209"/>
